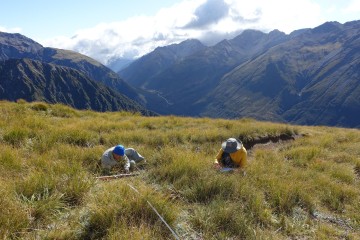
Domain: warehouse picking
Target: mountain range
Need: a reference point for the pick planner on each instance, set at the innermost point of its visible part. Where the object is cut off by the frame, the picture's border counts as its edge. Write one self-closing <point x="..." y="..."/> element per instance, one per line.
<point x="32" y="72"/>
<point x="309" y="77"/>
<point x="33" y="80"/>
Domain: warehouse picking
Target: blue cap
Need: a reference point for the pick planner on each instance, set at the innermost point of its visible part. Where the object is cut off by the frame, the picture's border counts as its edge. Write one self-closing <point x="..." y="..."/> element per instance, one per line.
<point x="119" y="150"/>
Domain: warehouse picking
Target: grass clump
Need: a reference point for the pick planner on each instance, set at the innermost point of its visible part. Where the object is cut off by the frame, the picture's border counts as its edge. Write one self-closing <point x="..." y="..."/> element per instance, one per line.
<point x="222" y="220"/>
<point x="9" y="161"/>
<point x="16" y="136"/>
<point x="118" y="208"/>
<point x="39" y="106"/>
<point x="13" y="215"/>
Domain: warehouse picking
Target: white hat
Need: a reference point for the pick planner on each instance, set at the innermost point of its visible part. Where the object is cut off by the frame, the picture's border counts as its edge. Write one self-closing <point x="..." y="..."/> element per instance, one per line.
<point x="231" y="145"/>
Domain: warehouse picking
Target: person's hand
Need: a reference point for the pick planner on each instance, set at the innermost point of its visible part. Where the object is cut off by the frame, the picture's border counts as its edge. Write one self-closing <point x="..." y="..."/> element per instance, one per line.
<point x="217" y="166"/>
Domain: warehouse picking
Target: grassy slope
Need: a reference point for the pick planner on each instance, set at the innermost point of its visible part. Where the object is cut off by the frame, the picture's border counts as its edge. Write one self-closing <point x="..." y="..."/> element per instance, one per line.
<point x="307" y="188"/>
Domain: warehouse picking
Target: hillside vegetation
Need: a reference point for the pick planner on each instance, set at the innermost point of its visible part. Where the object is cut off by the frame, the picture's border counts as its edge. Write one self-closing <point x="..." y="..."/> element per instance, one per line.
<point x="306" y="188"/>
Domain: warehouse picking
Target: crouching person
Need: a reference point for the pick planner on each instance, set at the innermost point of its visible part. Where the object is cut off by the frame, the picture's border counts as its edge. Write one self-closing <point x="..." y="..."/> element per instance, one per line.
<point x="119" y="157"/>
<point x="231" y="155"/>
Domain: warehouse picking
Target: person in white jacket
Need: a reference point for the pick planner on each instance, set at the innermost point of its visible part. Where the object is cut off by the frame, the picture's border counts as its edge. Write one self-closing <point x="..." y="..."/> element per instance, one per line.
<point x="119" y="156"/>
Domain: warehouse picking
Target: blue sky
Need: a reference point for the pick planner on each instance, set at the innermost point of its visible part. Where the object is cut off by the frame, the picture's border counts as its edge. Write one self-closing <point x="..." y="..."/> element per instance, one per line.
<point x="110" y="29"/>
<point x="41" y="19"/>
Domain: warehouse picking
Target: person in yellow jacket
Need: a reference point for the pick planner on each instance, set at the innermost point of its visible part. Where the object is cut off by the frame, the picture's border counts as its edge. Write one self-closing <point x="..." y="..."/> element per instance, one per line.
<point x="232" y="154"/>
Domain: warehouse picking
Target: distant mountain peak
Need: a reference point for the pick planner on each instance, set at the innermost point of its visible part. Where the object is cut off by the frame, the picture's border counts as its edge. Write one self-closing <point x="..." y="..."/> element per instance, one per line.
<point x="158" y="60"/>
<point x="249" y="33"/>
<point x="183" y="48"/>
<point x="327" y="27"/>
<point x="18" y="41"/>
<point x="352" y="23"/>
<point x="248" y="37"/>
<point x="276" y="33"/>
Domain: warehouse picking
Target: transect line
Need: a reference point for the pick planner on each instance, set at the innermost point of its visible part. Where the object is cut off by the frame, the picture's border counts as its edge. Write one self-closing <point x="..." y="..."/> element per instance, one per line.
<point x="157" y="213"/>
<point x="117" y="176"/>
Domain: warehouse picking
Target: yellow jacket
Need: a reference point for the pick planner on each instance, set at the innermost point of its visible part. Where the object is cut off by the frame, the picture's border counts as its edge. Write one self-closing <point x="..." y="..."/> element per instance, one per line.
<point x="239" y="157"/>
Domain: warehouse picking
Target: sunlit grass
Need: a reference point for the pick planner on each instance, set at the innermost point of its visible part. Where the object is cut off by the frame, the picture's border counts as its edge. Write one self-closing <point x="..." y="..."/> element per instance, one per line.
<point x="118" y="207"/>
<point x="13" y="214"/>
<point x="49" y="158"/>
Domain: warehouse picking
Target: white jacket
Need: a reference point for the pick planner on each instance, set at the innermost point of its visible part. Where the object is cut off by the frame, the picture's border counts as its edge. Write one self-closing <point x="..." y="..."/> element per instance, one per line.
<point x="108" y="161"/>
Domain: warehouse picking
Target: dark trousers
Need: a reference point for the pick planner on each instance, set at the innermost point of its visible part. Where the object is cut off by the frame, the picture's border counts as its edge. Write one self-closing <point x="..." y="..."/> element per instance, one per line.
<point x="226" y="160"/>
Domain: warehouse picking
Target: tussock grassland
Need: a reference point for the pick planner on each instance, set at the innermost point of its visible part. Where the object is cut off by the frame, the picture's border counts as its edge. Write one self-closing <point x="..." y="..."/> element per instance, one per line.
<point x="307" y="188"/>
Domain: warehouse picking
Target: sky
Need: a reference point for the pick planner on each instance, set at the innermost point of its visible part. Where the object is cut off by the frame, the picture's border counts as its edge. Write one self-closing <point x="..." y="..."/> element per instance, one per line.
<point x="110" y="29"/>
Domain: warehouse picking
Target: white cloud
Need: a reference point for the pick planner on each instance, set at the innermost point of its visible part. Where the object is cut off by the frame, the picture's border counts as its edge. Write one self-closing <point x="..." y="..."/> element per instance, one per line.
<point x="10" y="30"/>
<point x="354" y="6"/>
<point x="131" y="38"/>
<point x="191" y="19"/>
<point x="352" y="10"/>
<point x="209" y="13"/>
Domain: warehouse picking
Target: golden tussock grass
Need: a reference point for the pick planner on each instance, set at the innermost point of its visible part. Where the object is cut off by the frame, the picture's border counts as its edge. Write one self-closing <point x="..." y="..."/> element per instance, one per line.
<point x="306" y="188"/>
